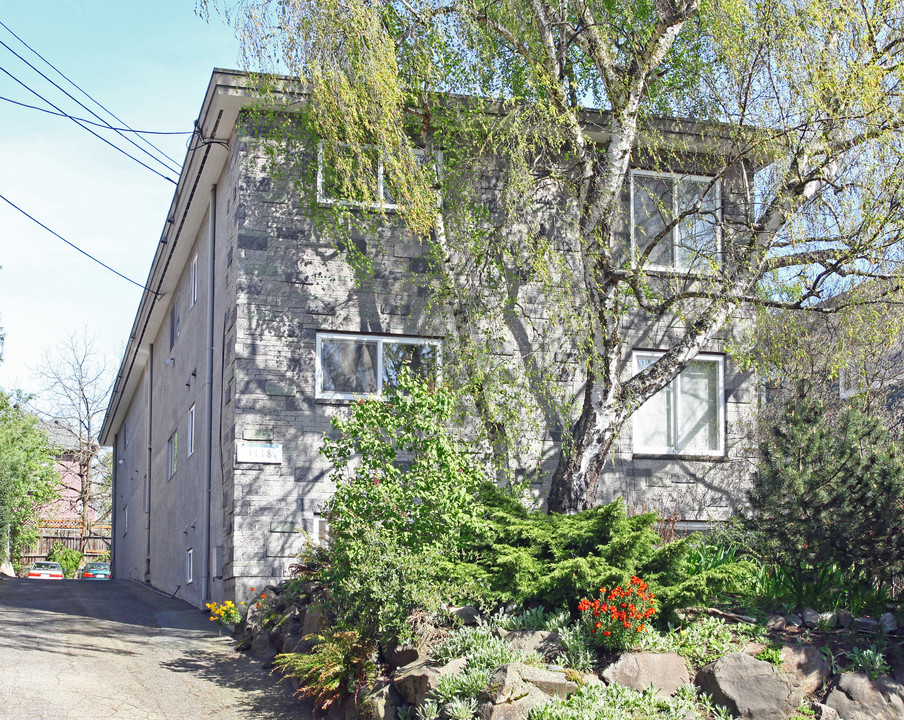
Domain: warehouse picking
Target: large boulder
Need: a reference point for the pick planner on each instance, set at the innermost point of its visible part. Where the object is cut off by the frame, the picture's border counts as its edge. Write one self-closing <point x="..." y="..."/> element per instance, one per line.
<point x="750" y="688"/>
<point x="508" y="696"/>
<point x="415" y="680"/>
<point x="263" y="646"/>
<point x="381" y="703"/>
<point x="805" y="663"/>
<point x="858" y="698"/>
<point x="552" y="682"/>
<point x="638" y="670"/>
<point x="545" y="644"/>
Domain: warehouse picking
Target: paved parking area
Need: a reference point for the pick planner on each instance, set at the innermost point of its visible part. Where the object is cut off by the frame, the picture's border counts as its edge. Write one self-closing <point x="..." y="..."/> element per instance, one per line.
<point x="83" y="650"/>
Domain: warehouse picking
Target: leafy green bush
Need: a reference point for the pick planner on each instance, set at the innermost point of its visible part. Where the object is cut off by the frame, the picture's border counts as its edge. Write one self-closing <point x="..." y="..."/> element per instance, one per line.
<point x="560" y="559"/>
<point x="68" y="558"/>
<point x="829" y="500"/>
<point x="405" y="497"/>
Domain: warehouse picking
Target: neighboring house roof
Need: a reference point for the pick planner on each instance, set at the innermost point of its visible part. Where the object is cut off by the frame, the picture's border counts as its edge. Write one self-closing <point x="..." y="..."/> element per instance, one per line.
<point x="61" y="436"/>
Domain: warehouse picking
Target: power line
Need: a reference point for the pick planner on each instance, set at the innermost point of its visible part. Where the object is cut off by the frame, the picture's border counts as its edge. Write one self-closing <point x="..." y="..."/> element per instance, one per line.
<point x="90" y="122"/>
<point x="76" y="247"/>
<point x="85" y="92"/>
<point x="84" y="127"/>
<point x="85" y="107"/>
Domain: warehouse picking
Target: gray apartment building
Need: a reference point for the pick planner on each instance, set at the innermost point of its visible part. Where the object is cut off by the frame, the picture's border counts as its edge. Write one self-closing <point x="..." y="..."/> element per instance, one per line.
<point x="253" y="334"/>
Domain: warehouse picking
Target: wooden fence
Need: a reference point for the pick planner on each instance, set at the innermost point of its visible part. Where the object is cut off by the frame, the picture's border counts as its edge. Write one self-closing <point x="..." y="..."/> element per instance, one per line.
<point x="95" y="544"/>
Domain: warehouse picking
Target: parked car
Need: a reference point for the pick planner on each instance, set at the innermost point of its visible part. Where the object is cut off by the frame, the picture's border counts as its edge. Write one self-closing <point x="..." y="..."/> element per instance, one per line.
<point x="46" y="570"/>
<point x="95" y="571"/>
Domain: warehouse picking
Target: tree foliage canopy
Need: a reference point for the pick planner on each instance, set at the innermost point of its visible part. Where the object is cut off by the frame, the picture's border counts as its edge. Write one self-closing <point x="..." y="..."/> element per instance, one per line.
<point x="796" y="119"/>
<point x="28" y="476"/>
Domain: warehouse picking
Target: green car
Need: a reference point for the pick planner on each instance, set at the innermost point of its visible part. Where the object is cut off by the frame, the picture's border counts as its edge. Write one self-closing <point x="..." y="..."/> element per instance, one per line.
<point x="95" y="571"/>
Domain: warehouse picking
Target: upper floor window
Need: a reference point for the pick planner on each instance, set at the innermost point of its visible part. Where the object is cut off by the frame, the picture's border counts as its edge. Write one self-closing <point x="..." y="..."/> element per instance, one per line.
<point x="367" y="167"/>
<point x="694" y="243"/>
<point x="190" y="445"/>
<point x="172" y="454"/>
<point x="686" y="417"/>
<point x="174" y="322"/>
<point x="193" y="282"/>
<point x="349" y="366"/>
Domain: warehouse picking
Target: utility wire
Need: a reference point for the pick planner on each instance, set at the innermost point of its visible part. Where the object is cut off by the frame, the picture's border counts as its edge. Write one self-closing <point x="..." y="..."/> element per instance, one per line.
<point x="85" y="127"/>
<point x="85" y="107"/>
<point x="76" y="247"/>
<point x="91" y="122"/>
<point x="85" y="93"/>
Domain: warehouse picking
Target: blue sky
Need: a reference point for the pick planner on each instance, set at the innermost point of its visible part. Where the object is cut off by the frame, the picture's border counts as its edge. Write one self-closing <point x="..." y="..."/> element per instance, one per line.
<point x="147" y="62"/>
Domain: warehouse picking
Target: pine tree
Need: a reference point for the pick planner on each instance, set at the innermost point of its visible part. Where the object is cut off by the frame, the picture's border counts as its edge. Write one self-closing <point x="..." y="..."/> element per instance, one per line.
<point x="830" y="493"/>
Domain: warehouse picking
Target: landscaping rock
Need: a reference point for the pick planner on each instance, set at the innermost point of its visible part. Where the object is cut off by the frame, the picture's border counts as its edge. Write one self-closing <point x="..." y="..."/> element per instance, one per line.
<point x="888" y="622"/>
<point x="866" y="625"/>
<point x="507" y="696"/>
<point x="552" y="682"/>
<point x="844" y="619"/>
<point x="811" y="618"/>
<point x="381" y="703"/>
<point x="794" y="620"/>
<point x="415" y="680"/>
<point x="401" y="656"/>
<point x="313" y="619"/>
<point x="638" y="670"/>
<point x="828" y="620"/>
<point x="824" y="712"/>
<point x="469" y="615"/>
<point x="287" y="643"/>
<point x="292" y="622"/>
<point x="750" y="688"/>
<point x="805" y="663"/>
<point x="545" y="644"/>
<point x="776" y="623"/>
<point x="859" y="698"/>
<point x="263" y="646"/>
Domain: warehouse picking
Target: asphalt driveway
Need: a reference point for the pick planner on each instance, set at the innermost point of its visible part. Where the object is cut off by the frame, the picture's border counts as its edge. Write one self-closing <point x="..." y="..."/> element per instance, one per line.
<point x="83" y="650"/>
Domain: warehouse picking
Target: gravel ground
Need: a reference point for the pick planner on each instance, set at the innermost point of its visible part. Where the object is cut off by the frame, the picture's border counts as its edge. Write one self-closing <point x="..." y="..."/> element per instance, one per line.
<point x="83" y="650"/>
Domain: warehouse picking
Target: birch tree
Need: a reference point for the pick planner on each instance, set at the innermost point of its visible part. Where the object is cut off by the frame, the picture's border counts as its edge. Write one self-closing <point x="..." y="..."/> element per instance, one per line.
<point x="797" y="108"/>
<point x="76" y="387"/>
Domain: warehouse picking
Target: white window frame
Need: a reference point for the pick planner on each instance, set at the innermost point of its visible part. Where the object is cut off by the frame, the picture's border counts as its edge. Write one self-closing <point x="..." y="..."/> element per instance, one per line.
<point x="189" y="566"/>
<point x="172" y="451"/>
<point x="675" y="387"/>
<point x="325" y="199"/>
<point x="676" y="178"/>
<point x="321" y="394"/>
<point x="190" y="439"/>
<point x="193" y="282"/>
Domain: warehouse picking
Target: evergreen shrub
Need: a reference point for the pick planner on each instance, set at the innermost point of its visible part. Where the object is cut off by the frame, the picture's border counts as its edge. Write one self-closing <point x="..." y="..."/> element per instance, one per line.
<point x="828" y="502"/>
<point x="559" y="559"/>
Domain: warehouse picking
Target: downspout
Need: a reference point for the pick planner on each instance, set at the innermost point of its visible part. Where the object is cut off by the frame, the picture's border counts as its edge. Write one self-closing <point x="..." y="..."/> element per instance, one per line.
<point x="208" y="385"/>
<point x="147" y="566"/>
<point x="116" y="507"/>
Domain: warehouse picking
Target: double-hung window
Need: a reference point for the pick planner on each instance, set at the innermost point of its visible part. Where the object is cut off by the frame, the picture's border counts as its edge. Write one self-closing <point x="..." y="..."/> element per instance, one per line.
<point x="694" y="243"/>
<point x="686" y="417"/>
<point x="367" y="167"/>
<point x="351" y="366"/>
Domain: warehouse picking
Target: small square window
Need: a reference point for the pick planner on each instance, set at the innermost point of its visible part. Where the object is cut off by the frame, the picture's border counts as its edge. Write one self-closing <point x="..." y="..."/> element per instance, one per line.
<point x="686" y="417"/>
<point x="694" y="244"/>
